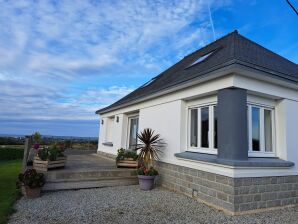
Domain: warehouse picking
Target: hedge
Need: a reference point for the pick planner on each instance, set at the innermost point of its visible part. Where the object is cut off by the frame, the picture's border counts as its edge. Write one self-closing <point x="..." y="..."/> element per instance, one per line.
<point x="11" y="153"/>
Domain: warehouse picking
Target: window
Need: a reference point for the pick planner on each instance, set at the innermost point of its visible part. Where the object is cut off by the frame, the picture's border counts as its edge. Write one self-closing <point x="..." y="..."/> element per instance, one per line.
<point x="133" y="127"/>
<point x="201" y="58"/>
<point x="203" y="129"/>
<point x="260" y="130"/>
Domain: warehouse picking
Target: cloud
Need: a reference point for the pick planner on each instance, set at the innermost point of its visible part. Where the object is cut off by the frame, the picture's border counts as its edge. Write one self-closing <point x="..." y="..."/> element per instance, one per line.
<point x="65" y="59"/>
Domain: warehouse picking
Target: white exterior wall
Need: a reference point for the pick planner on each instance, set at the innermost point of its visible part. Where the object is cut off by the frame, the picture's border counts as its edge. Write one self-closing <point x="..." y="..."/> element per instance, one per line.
<point x="291" y="127"/>
<point x="164" y="119"/>
<point x="167" y="115"/>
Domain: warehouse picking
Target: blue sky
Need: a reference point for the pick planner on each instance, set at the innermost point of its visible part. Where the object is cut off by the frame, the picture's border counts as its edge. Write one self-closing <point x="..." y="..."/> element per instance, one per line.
<point x="62" y="60"/>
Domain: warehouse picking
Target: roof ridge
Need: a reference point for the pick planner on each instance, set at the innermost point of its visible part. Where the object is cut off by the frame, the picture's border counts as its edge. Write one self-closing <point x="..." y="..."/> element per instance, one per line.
<point x="235" y="32"/>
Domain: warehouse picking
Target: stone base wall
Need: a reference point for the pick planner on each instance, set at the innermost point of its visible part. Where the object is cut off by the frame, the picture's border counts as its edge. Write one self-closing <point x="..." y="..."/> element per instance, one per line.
<point x="232" y="195"/>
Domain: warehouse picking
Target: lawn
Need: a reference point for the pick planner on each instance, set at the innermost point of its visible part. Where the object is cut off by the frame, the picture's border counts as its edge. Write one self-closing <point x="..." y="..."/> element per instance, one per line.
<point x="9" y="171"/>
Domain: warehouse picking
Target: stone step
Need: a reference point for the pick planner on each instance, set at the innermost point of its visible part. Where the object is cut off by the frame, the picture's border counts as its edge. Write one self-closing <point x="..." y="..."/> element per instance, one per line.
<point x="84" y="184"/>
<point x="102" y="174"/>
<point x="78" y="179"/>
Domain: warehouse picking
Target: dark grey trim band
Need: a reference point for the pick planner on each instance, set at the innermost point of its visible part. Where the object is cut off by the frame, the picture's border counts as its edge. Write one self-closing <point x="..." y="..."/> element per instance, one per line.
<point x="250" y="162"/>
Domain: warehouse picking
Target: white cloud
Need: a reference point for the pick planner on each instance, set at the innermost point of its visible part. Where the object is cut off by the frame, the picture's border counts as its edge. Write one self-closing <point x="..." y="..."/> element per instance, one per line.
<point x="52" y="51"/>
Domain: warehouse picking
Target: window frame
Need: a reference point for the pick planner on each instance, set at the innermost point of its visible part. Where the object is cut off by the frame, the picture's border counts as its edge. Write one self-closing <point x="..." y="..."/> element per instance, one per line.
<point x="210" y="149"/>
<point x="262" y="152"/>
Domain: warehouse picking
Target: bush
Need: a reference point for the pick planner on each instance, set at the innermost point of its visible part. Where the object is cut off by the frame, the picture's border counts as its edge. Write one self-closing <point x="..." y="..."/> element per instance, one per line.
<point x="52" y="154"/>
<point x="11" y="153"/>
<point x="43" y="154"/>
<point x="124" y="154"/>
<point x="147" y="172"/>
<point x="31" y="179"/>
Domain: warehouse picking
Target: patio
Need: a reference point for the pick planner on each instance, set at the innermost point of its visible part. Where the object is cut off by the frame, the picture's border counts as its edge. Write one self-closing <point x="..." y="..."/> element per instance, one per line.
<point x="86" y="169"/>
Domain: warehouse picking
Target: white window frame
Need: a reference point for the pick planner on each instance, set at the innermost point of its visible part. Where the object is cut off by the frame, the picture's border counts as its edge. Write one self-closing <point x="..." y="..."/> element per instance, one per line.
<point x="262" y="152"/>
<point x="210" y="149"/>
<point x="129" y="118"/>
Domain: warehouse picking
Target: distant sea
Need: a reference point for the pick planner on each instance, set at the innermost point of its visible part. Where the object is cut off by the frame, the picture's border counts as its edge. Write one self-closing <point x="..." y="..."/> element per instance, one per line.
<point x="50" y="136"/>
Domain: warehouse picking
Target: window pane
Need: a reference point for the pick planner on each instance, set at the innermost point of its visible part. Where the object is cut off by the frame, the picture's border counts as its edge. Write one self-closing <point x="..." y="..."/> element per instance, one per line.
<point x="215" y="127"/>
<point x="134" y="123"/>
<point x="194" y="128"/>
<point x="255" y="118"/>
<point x="204" y="127"/>
<point x="268" y="130"/>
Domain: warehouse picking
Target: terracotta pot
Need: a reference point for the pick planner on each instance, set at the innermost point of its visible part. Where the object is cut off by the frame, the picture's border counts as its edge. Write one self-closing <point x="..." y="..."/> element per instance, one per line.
<point x="32" y="192"/>
<point x="146" y="182"/>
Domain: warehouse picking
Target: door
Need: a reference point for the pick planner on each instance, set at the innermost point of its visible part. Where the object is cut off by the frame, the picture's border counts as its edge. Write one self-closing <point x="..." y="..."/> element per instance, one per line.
<point x="133" y="128"/>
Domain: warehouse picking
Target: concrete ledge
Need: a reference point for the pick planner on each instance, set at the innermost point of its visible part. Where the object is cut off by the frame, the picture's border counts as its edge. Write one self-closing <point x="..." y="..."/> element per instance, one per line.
<point x="251" y="162"/>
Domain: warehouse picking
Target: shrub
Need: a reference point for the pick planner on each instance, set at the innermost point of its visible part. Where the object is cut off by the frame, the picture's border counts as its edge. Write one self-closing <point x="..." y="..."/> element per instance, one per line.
<point x="147" y="171"/>
<point x="50" y="154"/>
<point x="31" y="178"/>
<point x="11" y="153"/>
<point x="120" y="154"/>
<point x="123" y="154"/>
<point x="150" y="148"/>
<point x="43" y="154"/>
<point x="131" y="154"/>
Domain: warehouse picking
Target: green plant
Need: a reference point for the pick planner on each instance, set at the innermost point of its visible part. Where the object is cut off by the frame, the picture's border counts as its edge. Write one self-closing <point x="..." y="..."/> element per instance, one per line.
<point x="120" y="154"/>
<point x="36" y="137"/>
<point x="51" y="154"/>
<point x="54" y="152"/>
<point x="123" y="154"/>
<point x="32" y="179"/>
<point x="150" y="148"/>
<point x="147" y="171"/>
<point x="43" y="154"/>
<point x="131" y="154"/>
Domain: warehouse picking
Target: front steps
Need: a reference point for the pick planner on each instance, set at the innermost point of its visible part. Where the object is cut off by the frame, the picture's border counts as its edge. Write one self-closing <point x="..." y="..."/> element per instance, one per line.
<point x="73" y="180"/>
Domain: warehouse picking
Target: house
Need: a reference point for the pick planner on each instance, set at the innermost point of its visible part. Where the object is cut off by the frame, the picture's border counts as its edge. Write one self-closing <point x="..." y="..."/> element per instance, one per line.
<point x="228" y="113"/>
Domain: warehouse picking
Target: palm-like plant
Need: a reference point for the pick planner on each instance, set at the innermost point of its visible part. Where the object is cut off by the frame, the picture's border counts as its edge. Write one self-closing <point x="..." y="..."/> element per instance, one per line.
<point x="150" y="147"/>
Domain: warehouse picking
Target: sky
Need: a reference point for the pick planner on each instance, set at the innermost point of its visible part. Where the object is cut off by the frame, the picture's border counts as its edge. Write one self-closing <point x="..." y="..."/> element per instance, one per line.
<point x="60" y="61"/>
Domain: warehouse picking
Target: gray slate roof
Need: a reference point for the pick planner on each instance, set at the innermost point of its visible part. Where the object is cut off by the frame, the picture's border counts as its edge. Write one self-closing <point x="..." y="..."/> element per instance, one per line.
<point x="230" y="49"/>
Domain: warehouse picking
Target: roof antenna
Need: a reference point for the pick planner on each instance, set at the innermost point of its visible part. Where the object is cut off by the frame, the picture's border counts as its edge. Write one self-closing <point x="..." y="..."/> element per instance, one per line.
<point x="211" y="21"/>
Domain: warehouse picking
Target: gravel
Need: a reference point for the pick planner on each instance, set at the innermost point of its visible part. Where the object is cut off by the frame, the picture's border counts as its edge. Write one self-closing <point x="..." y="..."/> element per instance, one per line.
<point x="128" y="204"/>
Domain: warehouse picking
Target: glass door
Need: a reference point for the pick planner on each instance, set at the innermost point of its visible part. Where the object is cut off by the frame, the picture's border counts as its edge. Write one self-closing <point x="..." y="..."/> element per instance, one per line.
<point x="133" y="131"/>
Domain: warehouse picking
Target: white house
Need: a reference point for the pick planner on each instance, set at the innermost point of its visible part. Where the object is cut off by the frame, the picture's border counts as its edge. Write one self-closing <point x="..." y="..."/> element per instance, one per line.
<point x="228" y="113"/>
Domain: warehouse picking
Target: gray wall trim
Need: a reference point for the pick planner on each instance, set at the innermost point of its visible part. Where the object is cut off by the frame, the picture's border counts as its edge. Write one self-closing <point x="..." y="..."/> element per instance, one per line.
<point x="232" y="124"/>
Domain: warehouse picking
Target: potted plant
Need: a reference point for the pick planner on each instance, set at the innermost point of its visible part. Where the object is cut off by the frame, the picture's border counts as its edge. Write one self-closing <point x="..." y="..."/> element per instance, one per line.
<point x="32" y="182"/>
<point x="127" y="158"/>
<point x="36" y="138"/>
<point x="150" y="147"/>
<point x="49" y="158"/>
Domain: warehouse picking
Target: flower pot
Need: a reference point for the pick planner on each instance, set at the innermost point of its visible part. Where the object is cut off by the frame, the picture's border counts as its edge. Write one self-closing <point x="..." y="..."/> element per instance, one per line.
<point x="32" y="192"/>
<point x="146" y="182"/>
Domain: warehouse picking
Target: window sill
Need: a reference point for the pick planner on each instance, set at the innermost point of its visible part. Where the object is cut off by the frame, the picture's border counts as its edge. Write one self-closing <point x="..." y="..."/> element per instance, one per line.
<point x="203" y="150"/>
<point x="108" y="144"/>
<point x="251" y="162"/>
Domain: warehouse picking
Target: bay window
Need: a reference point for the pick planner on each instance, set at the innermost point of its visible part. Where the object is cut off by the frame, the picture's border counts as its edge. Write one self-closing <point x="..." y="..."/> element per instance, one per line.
<point x="203" y="129"/>
<point x="260" y="131"/>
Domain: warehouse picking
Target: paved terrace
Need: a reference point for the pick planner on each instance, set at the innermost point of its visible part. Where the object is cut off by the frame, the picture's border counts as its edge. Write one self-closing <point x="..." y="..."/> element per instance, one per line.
<point x="85" y="160"/>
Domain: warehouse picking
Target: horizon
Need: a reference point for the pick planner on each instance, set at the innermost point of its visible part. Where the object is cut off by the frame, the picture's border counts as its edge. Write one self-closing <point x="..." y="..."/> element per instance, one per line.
<point x="62" y="61"/>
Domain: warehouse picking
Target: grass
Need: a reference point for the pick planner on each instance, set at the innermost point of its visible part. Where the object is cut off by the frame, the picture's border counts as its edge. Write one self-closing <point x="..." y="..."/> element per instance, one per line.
<point x="9" y="171"/>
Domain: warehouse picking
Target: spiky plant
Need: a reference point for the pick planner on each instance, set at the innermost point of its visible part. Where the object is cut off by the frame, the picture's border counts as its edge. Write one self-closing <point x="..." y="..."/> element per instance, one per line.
<point x="150" y="146"/>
